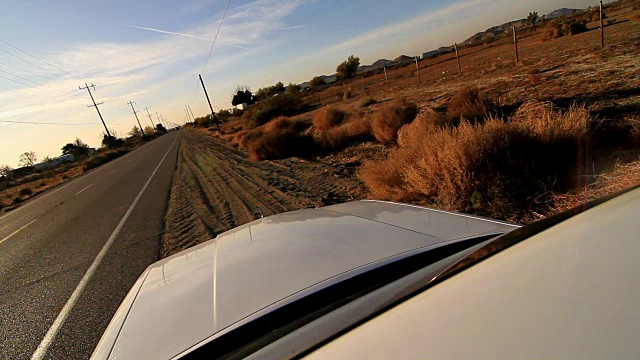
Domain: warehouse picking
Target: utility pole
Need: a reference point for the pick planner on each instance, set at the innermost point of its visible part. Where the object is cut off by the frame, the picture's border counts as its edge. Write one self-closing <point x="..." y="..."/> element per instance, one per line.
<point x="189" y="107"/>
<point x="150" y="119"/>
<point x="160" y="121"/>
<point x="515" y="42"/>
<point x="136" y="114"/>
<point x="601" y="27"/>
<point x="213" y="113"/>
<point x="418" y="71"/>
<point x="95" y="105"/>
<point x="455" y="46"/>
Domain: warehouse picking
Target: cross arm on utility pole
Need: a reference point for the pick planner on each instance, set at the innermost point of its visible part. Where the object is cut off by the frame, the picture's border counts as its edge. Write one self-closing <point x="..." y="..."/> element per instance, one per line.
<point x="88" y="88"/>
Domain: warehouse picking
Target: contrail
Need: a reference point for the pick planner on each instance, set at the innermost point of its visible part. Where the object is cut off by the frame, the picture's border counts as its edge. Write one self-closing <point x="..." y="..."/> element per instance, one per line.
<point x="291" y="27"/>
<point x="181" y="34"/>
<point x="166" y="32"/>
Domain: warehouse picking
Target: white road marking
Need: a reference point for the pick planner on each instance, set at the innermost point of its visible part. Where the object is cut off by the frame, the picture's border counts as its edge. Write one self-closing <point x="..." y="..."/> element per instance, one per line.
<point x="68" y="306"/>
<point x="78" y="193"/>
<point x="17" y="231"/>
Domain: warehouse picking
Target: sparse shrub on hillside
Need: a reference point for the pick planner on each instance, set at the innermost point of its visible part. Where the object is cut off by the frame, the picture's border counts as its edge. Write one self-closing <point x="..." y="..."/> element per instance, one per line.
<point x="340" y="137"/>
<point x="328" y="117"/>
<point x="280" y="138"/>
<point x="26" y="192"/>
<point x="469" y="103"/>
<point x="557" y="28"/>
<point x="317" y="81"/>
<point x="270" y="108"/>
<point x="499" y="169"/>
<point x="390" y="118"/>
<point x="346" y="94"/>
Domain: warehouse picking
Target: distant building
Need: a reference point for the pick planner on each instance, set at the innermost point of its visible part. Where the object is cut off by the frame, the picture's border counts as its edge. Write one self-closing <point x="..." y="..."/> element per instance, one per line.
<point x="242" y="106"/>
<point x="57" y="161"/>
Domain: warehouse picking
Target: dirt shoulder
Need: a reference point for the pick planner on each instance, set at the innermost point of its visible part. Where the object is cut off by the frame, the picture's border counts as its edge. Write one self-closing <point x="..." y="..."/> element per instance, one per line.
<point x="216" y="188"/>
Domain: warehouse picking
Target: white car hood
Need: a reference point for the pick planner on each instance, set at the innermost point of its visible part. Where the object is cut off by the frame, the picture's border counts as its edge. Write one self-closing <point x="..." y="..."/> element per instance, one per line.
<point x="223" y="283"/>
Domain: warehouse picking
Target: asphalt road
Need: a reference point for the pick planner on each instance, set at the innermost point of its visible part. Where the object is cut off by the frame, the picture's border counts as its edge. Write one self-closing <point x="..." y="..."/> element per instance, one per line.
<point x="69" y="257"/>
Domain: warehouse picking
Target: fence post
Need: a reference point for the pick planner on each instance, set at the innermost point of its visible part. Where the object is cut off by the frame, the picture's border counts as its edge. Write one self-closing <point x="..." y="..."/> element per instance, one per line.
<point x="386" y="79"/>
<point x="455" y="46"/>
<point x="515" y="43"/>
<point x="601" y="27"/>
<point x="418" y="71"/>
<point x="364" y="85"/>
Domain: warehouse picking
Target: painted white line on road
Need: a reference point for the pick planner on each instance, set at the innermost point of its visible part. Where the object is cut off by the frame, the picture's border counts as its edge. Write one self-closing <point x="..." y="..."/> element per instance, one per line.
<point x="68" y="306"/>
<point x="17" y="231"/>
<point x="79" y="192"/>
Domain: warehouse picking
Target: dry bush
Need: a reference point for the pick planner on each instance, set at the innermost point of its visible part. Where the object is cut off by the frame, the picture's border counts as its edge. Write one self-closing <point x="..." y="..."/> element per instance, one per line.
<point x="622" y="177"/>
<point x="390" y="118"/>
<point x="279" y="138"/>
<point x="559" y="28"/>
<point x="342" y="136"/>
<point x="328" y="117"/>
<point x="368" y="101"/>
<point x="346" y="94"/>
<point x="426" y="121"/>
<point x="496" y="168"/>
<point x="470" y="104"/>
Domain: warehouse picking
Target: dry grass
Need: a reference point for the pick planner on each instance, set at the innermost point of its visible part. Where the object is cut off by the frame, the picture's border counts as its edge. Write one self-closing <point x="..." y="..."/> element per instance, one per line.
<point x="279" y="138"/>
<point x="390" y="118"/>
<point x="622" y="177"/>
<point x="469" y="104"/>
<point x="328" y="117"/>
<point x="497" y="168"/>
<point x="342" y="136"/>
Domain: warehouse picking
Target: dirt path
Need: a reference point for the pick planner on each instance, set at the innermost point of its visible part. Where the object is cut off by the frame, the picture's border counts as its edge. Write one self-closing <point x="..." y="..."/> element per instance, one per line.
<point x="216" y="188"/>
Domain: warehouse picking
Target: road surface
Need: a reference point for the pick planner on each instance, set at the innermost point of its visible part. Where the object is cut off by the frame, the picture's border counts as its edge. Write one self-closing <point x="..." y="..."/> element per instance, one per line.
<point x="68" y="258"/>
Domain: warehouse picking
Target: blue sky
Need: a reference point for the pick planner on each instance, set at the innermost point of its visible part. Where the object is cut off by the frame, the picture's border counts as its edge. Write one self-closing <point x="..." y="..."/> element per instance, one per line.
<point x="151" y="52"/>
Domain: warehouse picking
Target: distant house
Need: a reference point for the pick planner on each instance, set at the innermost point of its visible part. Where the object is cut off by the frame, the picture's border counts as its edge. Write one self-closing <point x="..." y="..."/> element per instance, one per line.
<point x="242" y="106"/>
<point x="57" y="161"/>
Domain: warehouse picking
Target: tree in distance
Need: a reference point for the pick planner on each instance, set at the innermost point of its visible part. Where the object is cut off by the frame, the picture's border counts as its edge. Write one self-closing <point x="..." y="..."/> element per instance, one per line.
<point x="243" y="96"/>
<point x="292" y="89"/>
<point x="269" y="91"/>
<point x="348" y="68"/>
<point x="532" y="18"/>
<point x="77" y="148"/>
<point x="149" y="130"/>
<point x="135" y="132"/>
<point x="317" y="81"/>
<point x="28" y="159"/>
<point x="160" y="129"/>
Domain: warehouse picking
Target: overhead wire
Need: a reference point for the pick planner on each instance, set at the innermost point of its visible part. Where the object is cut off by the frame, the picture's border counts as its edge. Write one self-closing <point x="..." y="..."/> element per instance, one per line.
<point x="28" y="72"/>
<point x="35" y="57"/>
<point x="37" y="83"/>
<point x="224" y="15"/>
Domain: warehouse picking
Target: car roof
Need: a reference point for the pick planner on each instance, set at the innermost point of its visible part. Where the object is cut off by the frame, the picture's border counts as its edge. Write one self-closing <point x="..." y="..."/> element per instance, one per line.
<point x="569" y="291"/>
<point x="209" y="290"/>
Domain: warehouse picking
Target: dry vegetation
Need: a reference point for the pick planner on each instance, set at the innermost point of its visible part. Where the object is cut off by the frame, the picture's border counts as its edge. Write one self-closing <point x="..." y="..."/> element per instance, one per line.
<point x="513" y="142"/>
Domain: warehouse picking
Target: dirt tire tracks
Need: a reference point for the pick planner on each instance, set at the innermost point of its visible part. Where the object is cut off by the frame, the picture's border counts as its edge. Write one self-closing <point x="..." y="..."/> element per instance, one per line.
<point x="216" y="188"/>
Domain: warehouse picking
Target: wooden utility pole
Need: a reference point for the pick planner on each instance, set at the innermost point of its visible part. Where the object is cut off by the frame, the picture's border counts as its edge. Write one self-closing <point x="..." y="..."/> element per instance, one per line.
<point x="188" y="116"/>
<point x="455" y="46"/>
<point x="213" y="113"/>
<point x="418" y="71"/>
<point x="601" y="27"/>
<point x="150" y="119"/>
<point x="160" y="121"/>
<point x="95" y="105"/>
<point x="515" y="43"/>
<point x="136" y="114"/>
<point x="386" y="79"/>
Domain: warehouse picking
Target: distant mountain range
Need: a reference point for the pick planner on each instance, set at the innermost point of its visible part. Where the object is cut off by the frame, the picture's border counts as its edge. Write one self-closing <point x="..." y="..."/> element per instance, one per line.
<point x="478" y="38"/>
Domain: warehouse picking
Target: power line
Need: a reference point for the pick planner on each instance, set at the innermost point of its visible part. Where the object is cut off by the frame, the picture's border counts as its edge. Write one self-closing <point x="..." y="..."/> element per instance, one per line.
<point x="27" y="94"/>
<point x="216" y="37"/>
<point x="28" y="72"/>
<point x="37" y="58"/>
<point x="44" y="123"/>
<point x="29" y="62"/>
<point x="224" y="15"/>
<point x="95" y="105"/>
<point x="39" y="84"/>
